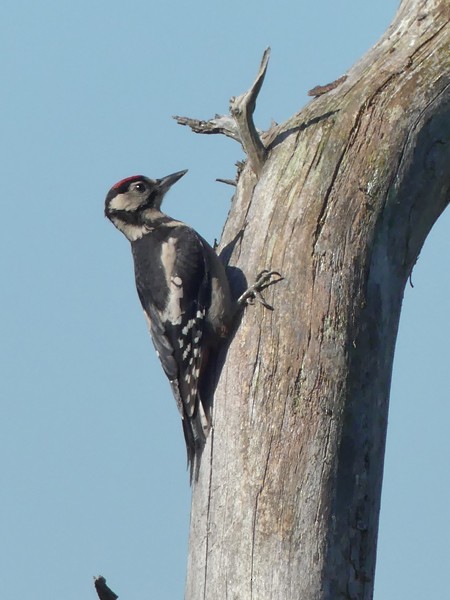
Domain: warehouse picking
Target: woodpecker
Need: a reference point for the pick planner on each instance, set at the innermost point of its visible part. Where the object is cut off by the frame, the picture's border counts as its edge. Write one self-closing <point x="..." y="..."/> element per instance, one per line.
<point x="183" y="289"/>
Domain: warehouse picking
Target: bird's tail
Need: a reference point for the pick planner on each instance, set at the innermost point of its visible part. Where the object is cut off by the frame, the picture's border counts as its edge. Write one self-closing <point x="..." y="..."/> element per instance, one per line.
<point x="195" y="429"/>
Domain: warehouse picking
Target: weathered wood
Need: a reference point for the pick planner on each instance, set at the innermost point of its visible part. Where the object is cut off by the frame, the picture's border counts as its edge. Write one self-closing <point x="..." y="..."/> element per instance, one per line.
<point x="288" y="497"/>
<point x="224" y="124"/>
<point x="242" y="108"/>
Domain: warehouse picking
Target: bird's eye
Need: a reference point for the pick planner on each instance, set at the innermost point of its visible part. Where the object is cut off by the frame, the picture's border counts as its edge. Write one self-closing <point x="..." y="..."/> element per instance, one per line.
<point x="139" y="187"/>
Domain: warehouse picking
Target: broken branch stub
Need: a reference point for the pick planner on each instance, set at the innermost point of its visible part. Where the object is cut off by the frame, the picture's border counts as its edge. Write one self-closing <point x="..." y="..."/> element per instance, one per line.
<point x="223" y="124"/>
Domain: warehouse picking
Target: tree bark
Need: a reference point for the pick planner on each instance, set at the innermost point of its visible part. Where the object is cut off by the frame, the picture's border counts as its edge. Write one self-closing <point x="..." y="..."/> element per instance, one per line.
<point x="288" y="497"/>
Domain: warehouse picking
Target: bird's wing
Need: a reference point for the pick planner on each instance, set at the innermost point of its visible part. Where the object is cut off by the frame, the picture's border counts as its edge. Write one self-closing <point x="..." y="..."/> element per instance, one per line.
<point x="177" y="320"/>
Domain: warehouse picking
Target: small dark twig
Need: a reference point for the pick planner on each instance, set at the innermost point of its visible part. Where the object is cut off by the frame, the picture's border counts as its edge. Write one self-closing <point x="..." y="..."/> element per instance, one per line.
<point x="319" y="90"/>
<point x="242" y="108"/>
<point x="227" y="181"/>
<point x="103" y="591"/>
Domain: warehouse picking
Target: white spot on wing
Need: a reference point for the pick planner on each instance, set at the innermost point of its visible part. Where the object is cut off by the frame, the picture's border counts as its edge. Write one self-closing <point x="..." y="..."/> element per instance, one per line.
<point x="188" y="326"/>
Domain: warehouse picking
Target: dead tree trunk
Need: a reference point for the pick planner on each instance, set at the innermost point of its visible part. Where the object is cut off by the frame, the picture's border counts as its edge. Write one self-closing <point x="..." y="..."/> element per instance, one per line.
<point x="340" y="202"/>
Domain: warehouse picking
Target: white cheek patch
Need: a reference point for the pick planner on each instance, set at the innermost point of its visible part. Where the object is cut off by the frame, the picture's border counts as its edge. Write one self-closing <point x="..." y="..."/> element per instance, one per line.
<point x="125" y="202"/>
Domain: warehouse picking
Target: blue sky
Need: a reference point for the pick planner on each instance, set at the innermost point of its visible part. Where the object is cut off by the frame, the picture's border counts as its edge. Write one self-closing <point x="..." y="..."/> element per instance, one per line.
<point x="91" y="450"/>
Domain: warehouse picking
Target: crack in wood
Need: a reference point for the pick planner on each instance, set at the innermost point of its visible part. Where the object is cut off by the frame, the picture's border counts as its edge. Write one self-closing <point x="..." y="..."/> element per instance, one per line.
<point x="258" y="494"/>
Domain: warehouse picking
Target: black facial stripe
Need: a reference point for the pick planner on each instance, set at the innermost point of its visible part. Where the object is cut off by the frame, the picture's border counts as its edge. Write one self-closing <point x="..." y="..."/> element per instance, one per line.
<point x="150" y="201"/>
<point x="126" y="216"/>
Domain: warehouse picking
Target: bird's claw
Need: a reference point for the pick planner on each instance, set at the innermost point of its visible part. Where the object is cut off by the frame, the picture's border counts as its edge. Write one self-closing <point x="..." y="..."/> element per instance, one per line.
<point x="263" y="281"/>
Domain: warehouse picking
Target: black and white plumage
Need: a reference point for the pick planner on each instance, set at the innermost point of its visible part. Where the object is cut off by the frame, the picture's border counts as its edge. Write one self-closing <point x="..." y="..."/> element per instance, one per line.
<point x="183" y="290"/>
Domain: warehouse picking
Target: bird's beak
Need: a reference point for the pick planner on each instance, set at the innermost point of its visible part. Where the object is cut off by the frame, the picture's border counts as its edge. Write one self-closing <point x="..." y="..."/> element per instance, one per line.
<point x="167" y="182"/>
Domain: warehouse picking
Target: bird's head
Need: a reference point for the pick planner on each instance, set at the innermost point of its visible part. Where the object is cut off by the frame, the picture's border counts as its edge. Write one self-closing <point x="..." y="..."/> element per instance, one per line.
<point x="133" y="201"/>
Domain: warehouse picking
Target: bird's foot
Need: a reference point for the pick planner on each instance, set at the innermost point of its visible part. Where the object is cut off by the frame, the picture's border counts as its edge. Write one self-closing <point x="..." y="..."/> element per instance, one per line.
<point x="263" y="281"/>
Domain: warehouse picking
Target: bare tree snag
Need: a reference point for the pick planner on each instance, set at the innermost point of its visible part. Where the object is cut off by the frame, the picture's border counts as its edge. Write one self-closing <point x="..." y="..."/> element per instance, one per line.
<point x="287" y="501"/>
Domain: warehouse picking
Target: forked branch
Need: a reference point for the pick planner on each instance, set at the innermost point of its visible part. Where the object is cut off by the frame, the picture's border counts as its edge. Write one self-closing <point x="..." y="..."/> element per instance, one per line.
<point x="239" y="126"/>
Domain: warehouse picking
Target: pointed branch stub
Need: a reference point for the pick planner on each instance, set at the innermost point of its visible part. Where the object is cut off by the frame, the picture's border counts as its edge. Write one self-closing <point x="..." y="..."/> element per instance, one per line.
<point x="242" y="108"/>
